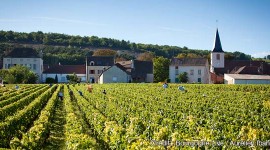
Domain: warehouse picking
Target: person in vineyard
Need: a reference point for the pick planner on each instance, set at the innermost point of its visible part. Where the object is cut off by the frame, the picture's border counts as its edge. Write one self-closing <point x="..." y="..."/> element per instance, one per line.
<point x="165" y="85"/>
<point x="71" y="94"/>
<point x="60" y="95"/>
<point x="80" y="92"/>
<point x="17" y="87"/>
<point x="104" y="92"/>
<point x="182" y="88"/>
<point x="89" y="88"/>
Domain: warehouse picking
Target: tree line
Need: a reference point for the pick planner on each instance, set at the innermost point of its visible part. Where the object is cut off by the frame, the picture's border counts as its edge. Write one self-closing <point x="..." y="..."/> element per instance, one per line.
<point x="58" y="47"/>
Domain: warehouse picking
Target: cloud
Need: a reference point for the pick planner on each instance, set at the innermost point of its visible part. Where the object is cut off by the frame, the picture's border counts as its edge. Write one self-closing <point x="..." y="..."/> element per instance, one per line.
<point x="11" y="20"/>
<point x="69" y="21"/>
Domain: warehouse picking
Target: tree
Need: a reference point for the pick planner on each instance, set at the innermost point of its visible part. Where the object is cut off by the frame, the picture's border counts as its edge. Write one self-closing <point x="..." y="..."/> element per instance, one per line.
<point x="104" y="52"/>
<point x="268" y="57"/>
<point x="147" y="56"/>
<point x="161" y="69"/>
<point x="73" y="78"/>
<point x="50" y="80"/>
<point x="56" y="79"/>
<point x="183" y="77"/>
<point x="20" y="75"/>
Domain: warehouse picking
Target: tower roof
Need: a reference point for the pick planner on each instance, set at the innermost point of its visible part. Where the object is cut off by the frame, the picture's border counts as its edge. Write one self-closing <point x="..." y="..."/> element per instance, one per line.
<point x="217" y="44"/>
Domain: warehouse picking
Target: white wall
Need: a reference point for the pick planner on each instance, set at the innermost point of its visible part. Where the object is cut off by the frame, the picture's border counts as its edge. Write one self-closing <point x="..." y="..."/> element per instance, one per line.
<point x="217" y="63"/>
<point x="150" y="78"/>
<point x="254" y="81"/>
<point x="35" y="64"/>
<point x="173" y="73"/>
<point x="97" y="70"/>
<point x="114" y="75"/>
<point x="62" y="78"/>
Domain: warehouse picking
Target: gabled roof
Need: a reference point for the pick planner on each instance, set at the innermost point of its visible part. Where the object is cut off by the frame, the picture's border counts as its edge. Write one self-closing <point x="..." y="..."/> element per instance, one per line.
<point x="66" y="69"/>
<point x="101" y="60"/>
<point x="243" y="67"/>
<point x="217" y="44"/>
<point x="23" y="53"/>
<point x="116" y="65"/>
<point x="138" y="68"/>
<point x="188" y="61"/>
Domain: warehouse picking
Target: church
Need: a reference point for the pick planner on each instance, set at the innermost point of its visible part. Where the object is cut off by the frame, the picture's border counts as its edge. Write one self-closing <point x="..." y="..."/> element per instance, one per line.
<point x="219" y="66"/>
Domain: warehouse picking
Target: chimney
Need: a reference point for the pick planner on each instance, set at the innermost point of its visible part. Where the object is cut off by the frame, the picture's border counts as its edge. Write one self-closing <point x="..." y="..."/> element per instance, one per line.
<point x="132" y="64"/>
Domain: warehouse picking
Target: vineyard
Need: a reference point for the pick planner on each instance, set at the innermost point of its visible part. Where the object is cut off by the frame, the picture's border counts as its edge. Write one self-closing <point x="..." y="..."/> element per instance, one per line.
<point x="135" y="116"/>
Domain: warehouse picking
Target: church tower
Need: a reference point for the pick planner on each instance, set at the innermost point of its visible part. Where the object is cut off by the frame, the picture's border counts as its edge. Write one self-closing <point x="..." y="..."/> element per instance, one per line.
<point x="217" y="54"/>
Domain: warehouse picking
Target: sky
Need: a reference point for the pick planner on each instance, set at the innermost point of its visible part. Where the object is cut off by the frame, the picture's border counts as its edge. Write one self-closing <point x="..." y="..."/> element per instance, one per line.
<point x="243" y="24"/>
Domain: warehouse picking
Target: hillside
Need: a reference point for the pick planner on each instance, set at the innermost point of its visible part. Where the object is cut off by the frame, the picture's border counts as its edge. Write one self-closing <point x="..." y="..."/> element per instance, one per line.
<point x="69" y="49"/>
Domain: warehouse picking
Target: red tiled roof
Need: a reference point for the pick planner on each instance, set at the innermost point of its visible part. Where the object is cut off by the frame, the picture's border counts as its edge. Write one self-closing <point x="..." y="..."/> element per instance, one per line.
<point x="66" y="69"/>
<point x="244" y="67"/>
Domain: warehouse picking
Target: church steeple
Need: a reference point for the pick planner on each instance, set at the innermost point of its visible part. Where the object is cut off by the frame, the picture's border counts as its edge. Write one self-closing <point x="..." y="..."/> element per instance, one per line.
<point x="217" y="54"/>
<point x="217" y="44"/>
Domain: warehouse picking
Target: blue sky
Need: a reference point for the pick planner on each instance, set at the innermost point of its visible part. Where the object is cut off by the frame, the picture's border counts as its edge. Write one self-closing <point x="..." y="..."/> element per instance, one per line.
<point x="243" y="24"/>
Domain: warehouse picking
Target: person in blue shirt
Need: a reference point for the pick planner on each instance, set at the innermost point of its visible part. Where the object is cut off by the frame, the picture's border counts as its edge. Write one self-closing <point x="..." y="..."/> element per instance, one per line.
<point x="165" y="85"/>
<point x="60" y="95"/>
<point x="182" y="88"/>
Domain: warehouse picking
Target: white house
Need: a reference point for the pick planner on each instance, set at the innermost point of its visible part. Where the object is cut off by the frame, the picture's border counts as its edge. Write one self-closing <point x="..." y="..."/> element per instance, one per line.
<point x="95" y="65"/>
<point x="26" y="57"/>
<point x="61" y="71"/>
<point x="140" y="71"/>
<point x="114" y="74"/>
<point x="196" y="68"/>
<point x="246" y="79"/>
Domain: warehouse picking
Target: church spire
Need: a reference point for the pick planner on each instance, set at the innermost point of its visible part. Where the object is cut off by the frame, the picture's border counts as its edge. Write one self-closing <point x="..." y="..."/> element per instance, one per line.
<point x="217" y="44"/>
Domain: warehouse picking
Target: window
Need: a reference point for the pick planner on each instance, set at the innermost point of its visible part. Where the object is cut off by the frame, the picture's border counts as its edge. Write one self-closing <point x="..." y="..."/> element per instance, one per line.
<point x="6" y="66"/>
<point x="218" y="56"/>
<point x="199" y="80"/>
<point x="21" y="59"/>
<point x="92" y="63"/>
<point x="92" y="71"/>
<point x="114" y="78"/>
<point x="9" y="66"/>
<point x="176" y="80"/>
<point x="34" y="66"/>
<point x="176" y="72"/>
<point x="28" y="59"/>
<point x="8" y="59"/>
<point x="30" y="66"/>
<point x="35" y="60"/>
<point x="99" y="71"/>
<point x="191" y="72"/>
<point x="199" y="72"/>
<point x="176" y="67"/>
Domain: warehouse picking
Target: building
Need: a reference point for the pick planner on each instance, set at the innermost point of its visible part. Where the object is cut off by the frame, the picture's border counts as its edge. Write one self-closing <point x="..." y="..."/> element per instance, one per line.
<point x="95" y="65"/>
<point x="220" y="66"/>
<point x="114" y="74"/>
<point x="61" y="71"/>
<point x="140" y="71"/>
<point x="246" y="79"/>
<point x="196" y="68"/>
<point x="26" y="57"/>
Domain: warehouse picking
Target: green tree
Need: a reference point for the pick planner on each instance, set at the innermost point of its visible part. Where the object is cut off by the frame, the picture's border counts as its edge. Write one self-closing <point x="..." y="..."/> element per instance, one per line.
<point x="20" y="75"/>
<point x="183" y="77"/>
<point x="56" y="79"/>
<point x="73" y="78"/>
<point x="161" y="69"/>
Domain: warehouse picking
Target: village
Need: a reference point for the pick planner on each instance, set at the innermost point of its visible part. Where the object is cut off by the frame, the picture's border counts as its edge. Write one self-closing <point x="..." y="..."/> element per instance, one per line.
<point x="104" y="69"/>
